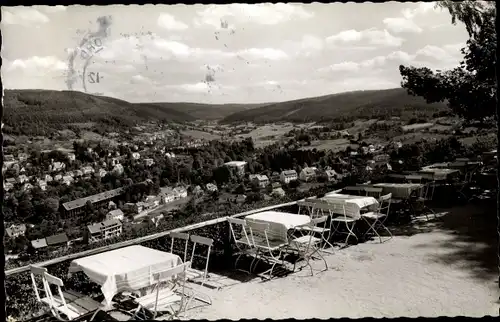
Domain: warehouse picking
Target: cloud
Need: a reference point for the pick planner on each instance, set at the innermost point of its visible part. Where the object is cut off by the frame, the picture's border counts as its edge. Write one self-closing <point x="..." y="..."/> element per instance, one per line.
<point x="139" y="79"/>
<point x="23" y="16"/>
<point x="401" y="25"/>
<point x="371" y="36"/>
<point x="263" y="53"/>
<point x="263" y="13"/>
<point x="169" y="22"/>
<point x="38" y="63"/>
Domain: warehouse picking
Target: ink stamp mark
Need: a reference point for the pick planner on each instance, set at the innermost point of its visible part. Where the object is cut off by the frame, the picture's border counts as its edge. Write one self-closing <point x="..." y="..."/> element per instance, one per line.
<point x="81" y="76"/>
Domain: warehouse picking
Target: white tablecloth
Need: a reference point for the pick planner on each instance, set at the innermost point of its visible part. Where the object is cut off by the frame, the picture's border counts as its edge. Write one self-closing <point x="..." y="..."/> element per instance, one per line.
<point x="355" y="203"/>
<point x="125" y="269"/>
<point x="280" y="221"/>
<point x="437" y="174"/>
<point x="398" y="190"/>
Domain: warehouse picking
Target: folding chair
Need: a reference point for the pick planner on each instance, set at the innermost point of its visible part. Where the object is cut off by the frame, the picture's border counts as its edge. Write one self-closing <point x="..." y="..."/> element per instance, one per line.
<point x="182" y="236"/>
<point x="347" y="216"/>
<point x="243" y="244"/>
<point x="267" y="243"/>
<point x="418" y="201"/>
<point x="320" y="227"/>
<point x="373" y="192"/>
<point x="307" y="245"/>
<point x="65" y="306"/>
<point x="377" y="219"/>
<point x="164" y="299"/>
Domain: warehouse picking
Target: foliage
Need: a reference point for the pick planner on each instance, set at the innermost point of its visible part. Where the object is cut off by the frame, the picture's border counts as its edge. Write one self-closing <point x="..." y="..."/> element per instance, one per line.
<point x="469" y="89"/>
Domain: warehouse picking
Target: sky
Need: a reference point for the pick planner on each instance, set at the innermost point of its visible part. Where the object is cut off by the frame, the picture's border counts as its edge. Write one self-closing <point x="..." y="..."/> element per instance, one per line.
<point x="236" y="53"/>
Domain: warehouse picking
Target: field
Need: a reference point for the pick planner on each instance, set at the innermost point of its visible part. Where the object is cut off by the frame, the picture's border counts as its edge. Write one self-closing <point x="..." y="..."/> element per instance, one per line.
<point x="334" y="145"/>
<point x="195" y="134"/>
<point x="271" y="133"/>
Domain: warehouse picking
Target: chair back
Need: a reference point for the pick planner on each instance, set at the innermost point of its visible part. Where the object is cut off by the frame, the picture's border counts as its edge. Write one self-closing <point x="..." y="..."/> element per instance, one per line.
<point x="259" y="233"/>
<point x="169" y="275"/>
<point x="207" y="242"/>
<point x="181" y="236"/>
<point x="235" y="222"/>
<point x="427" y="192"/>
<point x="38" y="279"/>
<point x="385" y="204"/>
<point x="373" y="192"/>
<point x="51" y="280"/>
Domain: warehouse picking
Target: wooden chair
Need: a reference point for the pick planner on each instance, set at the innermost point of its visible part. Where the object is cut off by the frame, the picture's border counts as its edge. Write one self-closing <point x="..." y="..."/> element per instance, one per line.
<point x="376" y="219"/>
<point x="65" y="306"/>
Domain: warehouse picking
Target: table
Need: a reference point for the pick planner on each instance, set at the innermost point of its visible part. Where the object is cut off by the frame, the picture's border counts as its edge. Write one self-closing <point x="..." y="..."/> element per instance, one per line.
<point x="356" y="203"/>
<point x="399" y="190"/>
<point x="280" y="221"/>
<point x="125" y="269"/>
<point x="437" y="174"/>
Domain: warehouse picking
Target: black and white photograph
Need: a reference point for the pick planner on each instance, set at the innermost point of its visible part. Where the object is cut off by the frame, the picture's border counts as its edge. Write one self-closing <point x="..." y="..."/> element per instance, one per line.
<point x="239" y="161"/>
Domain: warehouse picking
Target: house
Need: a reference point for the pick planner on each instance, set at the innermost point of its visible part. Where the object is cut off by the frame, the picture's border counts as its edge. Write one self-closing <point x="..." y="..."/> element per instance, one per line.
<point x="136" y="155"/>
<point x="275" y="176"/>
<point x="16" y="230"/>
<point x="331" y="175"/>
<point x="67" y="180"/>
<point x="57" y="166"/>
<point x="263" y="180"/>
<point x="307" y="174"/>
<point x="102" y="173"/>
<point x="149" y="162"/>
<point x="118" y="169"/>
<point x="211" y="187"/>
<point x="27" y="186"/>
<point x="87" y="170"/>
<point x="70" y="173"/>
<point x="155" y="219"/>
<point x="103" y="230"/>
<point x="38" y="244"/>
<point x="58" y="177"/>
<point x="57" y="240"/>
<point x="153" y="201"/>
<point x="115" y="214"/>
<point x="42" y="184"/>
<point x="22" y="178"/>
<point x="22" y="157"/>
<point x="275" y="185"/>
<point x="288" y="175"/>
<point x="78" y="173"/>
<point x="47" y="178"/>
<point x="111" y="205"/>
<point x="180" y="192"/>
<point x="133" y="208"/>
<point x="278" y="192"/>
<point x="76" y="207"/>
<point x="239" y="166"/>
<point x="167" y="195"/>
<point x="71" y="156"/>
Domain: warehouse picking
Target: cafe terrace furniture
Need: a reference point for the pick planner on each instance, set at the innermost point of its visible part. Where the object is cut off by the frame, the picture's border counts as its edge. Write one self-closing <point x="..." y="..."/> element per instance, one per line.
<point x="418" y="202"/>
<point x="269" y="235"/>
<point x="65" y="305"/>
<point x="165" y="298"/>
<point x="399" y="190"/>
<point x="376" y="219"/>
<point x="437" y="174"/>
<point x="126" y="269"/>
<point x="244" y="246"/>
<point x="321" y="227"/>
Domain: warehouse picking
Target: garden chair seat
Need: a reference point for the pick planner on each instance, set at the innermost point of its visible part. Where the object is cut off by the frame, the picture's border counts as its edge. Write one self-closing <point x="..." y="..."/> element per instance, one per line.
<point x="373" y="215"/>
<point x="344" y="219"/>
<point x="166" y="297"/>
<point x="75" y="307"/>
<point x="304" y="240"/>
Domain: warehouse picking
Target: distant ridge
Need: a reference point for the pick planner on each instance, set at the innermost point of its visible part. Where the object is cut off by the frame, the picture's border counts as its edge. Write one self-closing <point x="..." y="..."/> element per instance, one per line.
<point x="348" y="105"/>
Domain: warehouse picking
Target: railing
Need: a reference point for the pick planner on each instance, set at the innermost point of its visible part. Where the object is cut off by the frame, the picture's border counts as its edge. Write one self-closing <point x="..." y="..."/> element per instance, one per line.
<point x="143" y="239"/>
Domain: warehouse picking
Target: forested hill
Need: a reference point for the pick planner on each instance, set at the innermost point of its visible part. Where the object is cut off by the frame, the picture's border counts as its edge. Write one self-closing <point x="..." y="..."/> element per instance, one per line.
<point x="349" y="105"/>
<point x="41" y="112"/>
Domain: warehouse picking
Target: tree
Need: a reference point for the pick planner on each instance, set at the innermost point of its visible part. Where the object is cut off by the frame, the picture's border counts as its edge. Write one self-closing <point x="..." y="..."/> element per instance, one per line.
<point x="469" y="89"/>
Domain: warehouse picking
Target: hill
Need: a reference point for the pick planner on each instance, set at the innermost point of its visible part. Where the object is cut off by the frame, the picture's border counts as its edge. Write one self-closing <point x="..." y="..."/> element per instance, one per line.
<point x="346" y="106"/>
<point x="42" y="112"/>
<point x="208" y="111"/>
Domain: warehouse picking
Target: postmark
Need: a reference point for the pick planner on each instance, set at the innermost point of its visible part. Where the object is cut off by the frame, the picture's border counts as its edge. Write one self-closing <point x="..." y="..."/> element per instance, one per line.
<point x="81" y="75"/>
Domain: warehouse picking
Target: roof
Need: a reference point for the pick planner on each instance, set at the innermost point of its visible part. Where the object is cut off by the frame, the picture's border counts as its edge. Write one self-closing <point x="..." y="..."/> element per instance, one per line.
<point x="78" y="203"/>
<point x="260" y="177"/>
<point x="116" y="212"/>
<point x="39" y="243"/>
<point x="308" y="171"/>
<point x="235" y="163"/>
<point x="95" y="228"/>
<point x="289" y="172"/>
<point x="57" y="239"/>
<point x="14" y="229"/>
